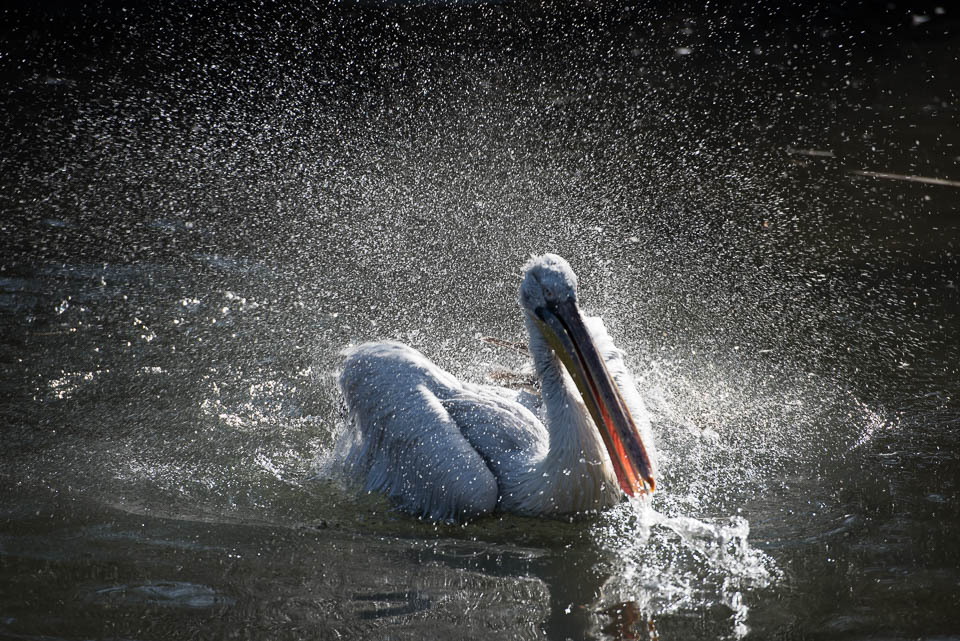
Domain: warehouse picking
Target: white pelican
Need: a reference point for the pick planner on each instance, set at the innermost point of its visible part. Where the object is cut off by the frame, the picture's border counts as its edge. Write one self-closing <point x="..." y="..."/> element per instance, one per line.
<point x="451" y="450"/>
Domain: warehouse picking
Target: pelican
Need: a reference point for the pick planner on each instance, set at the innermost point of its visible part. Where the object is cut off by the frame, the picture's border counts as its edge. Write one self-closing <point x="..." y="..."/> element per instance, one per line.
<point x="453" y="451"/>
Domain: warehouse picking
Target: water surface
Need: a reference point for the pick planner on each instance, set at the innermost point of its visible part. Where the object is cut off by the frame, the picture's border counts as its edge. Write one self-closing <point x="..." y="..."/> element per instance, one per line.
<point x="202" y="208"/>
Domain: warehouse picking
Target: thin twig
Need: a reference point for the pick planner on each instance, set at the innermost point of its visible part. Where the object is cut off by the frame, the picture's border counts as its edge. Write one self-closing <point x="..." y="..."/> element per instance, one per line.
<point x="499" y="342"/>
<point x="816" y="153"/>
<point x="916" y="179"/>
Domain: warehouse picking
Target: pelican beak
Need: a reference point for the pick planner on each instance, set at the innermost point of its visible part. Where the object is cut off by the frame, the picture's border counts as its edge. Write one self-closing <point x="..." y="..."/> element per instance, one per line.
<point x="563" y="325"/>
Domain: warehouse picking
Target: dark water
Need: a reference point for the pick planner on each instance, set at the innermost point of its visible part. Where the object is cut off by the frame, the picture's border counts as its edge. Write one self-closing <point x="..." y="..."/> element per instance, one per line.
<point x="202" y="207"/>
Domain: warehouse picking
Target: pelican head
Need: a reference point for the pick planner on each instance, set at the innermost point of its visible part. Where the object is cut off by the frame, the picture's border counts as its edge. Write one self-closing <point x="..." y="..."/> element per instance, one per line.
<point x="548" y="295"/>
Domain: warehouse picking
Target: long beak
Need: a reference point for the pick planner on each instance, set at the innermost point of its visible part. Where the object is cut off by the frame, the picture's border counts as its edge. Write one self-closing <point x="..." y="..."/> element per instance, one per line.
<point x="563" y="326"/>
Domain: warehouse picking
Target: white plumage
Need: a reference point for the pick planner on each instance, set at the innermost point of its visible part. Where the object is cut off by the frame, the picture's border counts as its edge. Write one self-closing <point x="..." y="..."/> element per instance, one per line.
<point x="452" y="450"/>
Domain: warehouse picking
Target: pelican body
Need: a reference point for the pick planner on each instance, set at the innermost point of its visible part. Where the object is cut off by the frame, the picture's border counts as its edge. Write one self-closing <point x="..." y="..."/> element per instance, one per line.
<point x="452" y="450"/>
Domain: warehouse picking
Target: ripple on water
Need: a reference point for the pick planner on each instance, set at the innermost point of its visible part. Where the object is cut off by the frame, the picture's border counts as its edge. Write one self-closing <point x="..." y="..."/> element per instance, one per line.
<point x="174" y="594"/>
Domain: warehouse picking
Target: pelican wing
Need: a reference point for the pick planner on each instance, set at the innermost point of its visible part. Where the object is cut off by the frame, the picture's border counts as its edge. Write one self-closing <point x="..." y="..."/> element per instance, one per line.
<point x="509" y="437"/>
<point x="406" y="444"/>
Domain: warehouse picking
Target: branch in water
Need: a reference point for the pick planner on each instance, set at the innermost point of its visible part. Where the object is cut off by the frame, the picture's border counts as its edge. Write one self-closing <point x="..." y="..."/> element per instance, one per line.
<point x="916" y="179"/>
<point x="499" y="342"/>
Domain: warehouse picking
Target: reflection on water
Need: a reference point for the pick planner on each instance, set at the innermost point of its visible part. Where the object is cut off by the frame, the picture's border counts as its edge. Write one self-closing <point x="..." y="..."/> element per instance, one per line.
<point x="200" y="211"/>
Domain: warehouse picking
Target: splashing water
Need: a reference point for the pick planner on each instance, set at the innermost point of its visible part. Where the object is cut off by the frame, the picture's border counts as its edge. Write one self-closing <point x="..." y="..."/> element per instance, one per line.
<point x="668" y="564"/>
